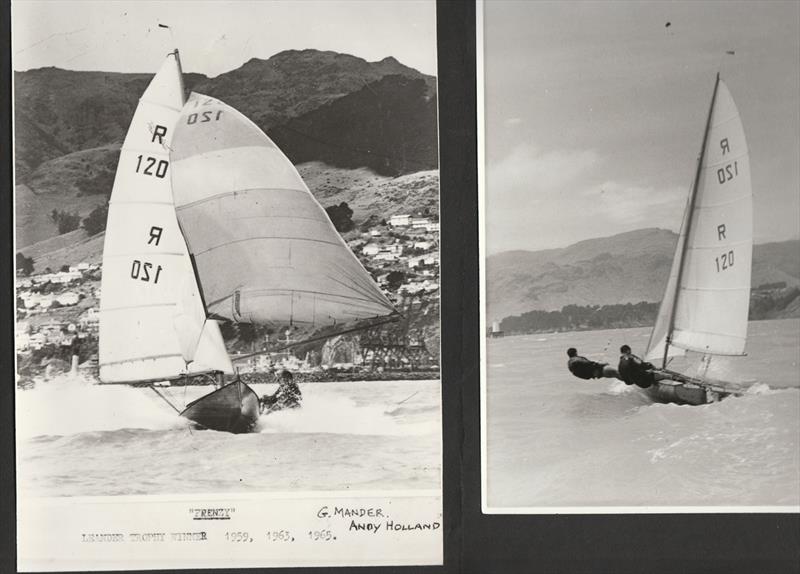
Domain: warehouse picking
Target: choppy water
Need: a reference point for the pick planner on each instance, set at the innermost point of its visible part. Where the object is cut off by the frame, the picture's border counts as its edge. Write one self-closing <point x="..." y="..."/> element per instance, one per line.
<point x="555" y="440"/>
<point x="75" y="438"/>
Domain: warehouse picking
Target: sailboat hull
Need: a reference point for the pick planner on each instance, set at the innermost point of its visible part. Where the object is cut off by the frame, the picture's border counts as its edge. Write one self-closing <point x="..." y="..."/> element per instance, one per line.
<point x="232" y="408"/>
<point x="667" y="391"/>
<point x="688" y="391"/>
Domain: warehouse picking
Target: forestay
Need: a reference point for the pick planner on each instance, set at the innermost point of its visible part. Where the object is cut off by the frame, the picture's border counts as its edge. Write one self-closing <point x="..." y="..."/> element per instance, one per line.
<point x="657" y="346"/>
<point x="712" y="297"/>
<point x="264" y="249"/>
<point x="152" y="322"/>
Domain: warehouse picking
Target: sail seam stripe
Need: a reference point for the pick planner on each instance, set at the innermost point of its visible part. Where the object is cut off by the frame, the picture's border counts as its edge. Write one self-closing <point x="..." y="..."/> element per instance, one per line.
<point x="723" y="203"/>
<point x="146" y="358"/>
<point x="147" y="253"/>
<point x="220" y="246"/>
<point x="367" y="290"/>
<point x="711" y="246"/>
<point x="164" y="153"/>
<point x="159" y="105"/>
<point x="234" y="192"/>
<point x="129" y="202"/>
<point x="279" y="291"/>
<point x="279" y="217"/>
<point x="728" y="159"/>
<point x="715" y="289"/>
<point x="726" y="120"/>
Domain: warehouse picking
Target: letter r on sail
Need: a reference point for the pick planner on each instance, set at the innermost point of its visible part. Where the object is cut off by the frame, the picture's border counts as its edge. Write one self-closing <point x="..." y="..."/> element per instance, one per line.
<point x="158" y="133"/>
<point x="155" y="234"/>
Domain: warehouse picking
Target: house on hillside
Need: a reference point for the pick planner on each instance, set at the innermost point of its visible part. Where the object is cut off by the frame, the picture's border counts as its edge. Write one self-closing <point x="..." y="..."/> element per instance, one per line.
<point x="64" y="277"/>
<point x="371" y="249"/>
<point x="68" y="299"/>
<point x="400" y="220"/>
<point x="89" y="321"/>
<point x="386" y="256"/>
<point x="420" y="222"/>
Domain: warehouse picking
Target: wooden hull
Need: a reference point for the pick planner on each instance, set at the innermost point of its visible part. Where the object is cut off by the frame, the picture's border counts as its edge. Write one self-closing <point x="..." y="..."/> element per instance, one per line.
<point x="232" y="408"/>
<point x="667" y="391"/>
<point x="686" y="393"/>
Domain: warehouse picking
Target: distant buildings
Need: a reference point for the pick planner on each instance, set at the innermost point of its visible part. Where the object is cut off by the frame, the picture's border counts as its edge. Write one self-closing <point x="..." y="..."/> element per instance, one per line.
<point x="39" y="297"/>
<point x="400" y="220"/>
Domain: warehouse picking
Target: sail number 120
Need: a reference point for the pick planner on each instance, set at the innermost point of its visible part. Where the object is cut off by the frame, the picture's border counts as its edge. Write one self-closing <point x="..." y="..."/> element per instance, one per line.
<point x="142" y="271"/>
<point x="149" y="163"/>
<point x="725" y="261"/>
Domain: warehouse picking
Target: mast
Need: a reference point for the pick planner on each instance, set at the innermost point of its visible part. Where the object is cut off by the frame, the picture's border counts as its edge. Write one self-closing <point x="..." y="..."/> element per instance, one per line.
<point x="180" y="74"/>
<point x="690" y="208"/>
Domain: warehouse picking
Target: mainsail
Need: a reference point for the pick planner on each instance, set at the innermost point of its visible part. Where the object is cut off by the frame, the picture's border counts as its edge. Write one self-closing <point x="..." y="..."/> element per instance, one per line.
<point x="152" y="321"/>
<point x="705" y="307"/>
<point x="264" y="249"/>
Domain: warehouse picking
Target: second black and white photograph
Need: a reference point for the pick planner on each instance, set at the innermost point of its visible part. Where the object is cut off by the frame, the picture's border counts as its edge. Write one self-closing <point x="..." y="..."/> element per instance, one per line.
<point x="640" y="252"/>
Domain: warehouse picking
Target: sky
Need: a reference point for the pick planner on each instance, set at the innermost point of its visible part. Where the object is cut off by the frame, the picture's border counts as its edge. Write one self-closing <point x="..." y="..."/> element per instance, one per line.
<point x="216" y="36"/>
<point x="594" y="114"/>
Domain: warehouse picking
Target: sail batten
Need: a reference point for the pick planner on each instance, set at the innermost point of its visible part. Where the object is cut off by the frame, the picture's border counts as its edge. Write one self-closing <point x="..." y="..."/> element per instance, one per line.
<point x="709" y="293"/>
<point x="265" y="250"/>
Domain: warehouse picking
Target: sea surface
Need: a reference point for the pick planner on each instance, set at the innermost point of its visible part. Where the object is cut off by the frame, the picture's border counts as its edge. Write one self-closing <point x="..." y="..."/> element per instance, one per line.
<point x="78" y="438"/>
<point x="554" y="440"/>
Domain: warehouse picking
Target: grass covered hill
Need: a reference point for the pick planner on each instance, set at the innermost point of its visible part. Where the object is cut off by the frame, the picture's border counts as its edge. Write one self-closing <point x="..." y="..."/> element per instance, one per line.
<point x="624" y="268"/>
<point x="58" y="112"/>
<point x="374" y="118"/>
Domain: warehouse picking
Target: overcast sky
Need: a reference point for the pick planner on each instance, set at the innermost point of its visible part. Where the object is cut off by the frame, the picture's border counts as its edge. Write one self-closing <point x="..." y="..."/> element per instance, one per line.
<point x="595" y="113"/>
<point x="213" y="36"/>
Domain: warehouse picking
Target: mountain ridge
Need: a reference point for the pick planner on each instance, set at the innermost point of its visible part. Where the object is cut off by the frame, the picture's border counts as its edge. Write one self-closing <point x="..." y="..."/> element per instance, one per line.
<point x="624" y="268"/>
<point x="318" y="105"/>
<point x="60" y="111"/>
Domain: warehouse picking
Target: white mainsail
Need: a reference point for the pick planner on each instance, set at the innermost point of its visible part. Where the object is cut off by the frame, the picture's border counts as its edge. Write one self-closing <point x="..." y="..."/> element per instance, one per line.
<point x="152" y="320"/>
<point x="264" y="249"/>
<point x="710" y="293"/>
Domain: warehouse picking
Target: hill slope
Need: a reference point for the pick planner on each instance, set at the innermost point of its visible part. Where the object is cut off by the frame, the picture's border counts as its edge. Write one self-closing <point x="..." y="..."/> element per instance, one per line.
<point x="62" y="111"/>
<point x="625" y="268"/>
<point x="388" y="125"/>
<point x="367" y="193"/>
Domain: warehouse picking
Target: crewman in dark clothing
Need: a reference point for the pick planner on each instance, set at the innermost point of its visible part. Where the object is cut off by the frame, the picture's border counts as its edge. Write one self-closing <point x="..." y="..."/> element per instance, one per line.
<point x="584" y="368"/>
<point x="634" y="371"/>
<point x="288" y="395"/>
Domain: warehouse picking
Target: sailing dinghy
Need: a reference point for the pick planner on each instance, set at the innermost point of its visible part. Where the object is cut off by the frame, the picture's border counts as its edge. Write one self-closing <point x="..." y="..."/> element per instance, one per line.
<point x="209" y="220"/>
<point x="706" y="302"/>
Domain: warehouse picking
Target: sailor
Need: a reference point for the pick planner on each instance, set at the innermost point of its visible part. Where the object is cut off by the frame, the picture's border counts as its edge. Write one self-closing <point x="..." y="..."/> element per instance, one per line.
<point x="584" y="368"/>
<point x="634" y="371"/>
<point x="288" y="395"/>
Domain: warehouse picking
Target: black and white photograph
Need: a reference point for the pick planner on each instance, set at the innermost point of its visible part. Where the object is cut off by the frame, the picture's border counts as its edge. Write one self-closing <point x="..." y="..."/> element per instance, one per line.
<point x="227" y="283"/>
<point x="640" y="251"/>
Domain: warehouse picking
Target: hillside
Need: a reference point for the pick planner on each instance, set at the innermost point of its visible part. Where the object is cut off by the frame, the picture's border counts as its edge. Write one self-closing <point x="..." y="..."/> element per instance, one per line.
<point x="625" y="268"/>
<point x="388" y="125"/>
<point x="294" y="82"/>
<point x="317" y="106"/>
<point x="367" y="193"/>
<point x="58" y="112"/>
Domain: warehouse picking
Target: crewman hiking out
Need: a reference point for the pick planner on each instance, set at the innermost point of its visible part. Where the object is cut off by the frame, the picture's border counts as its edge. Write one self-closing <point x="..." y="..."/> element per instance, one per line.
<point x="634" y="371"/>
<point x="584" y="368"/>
